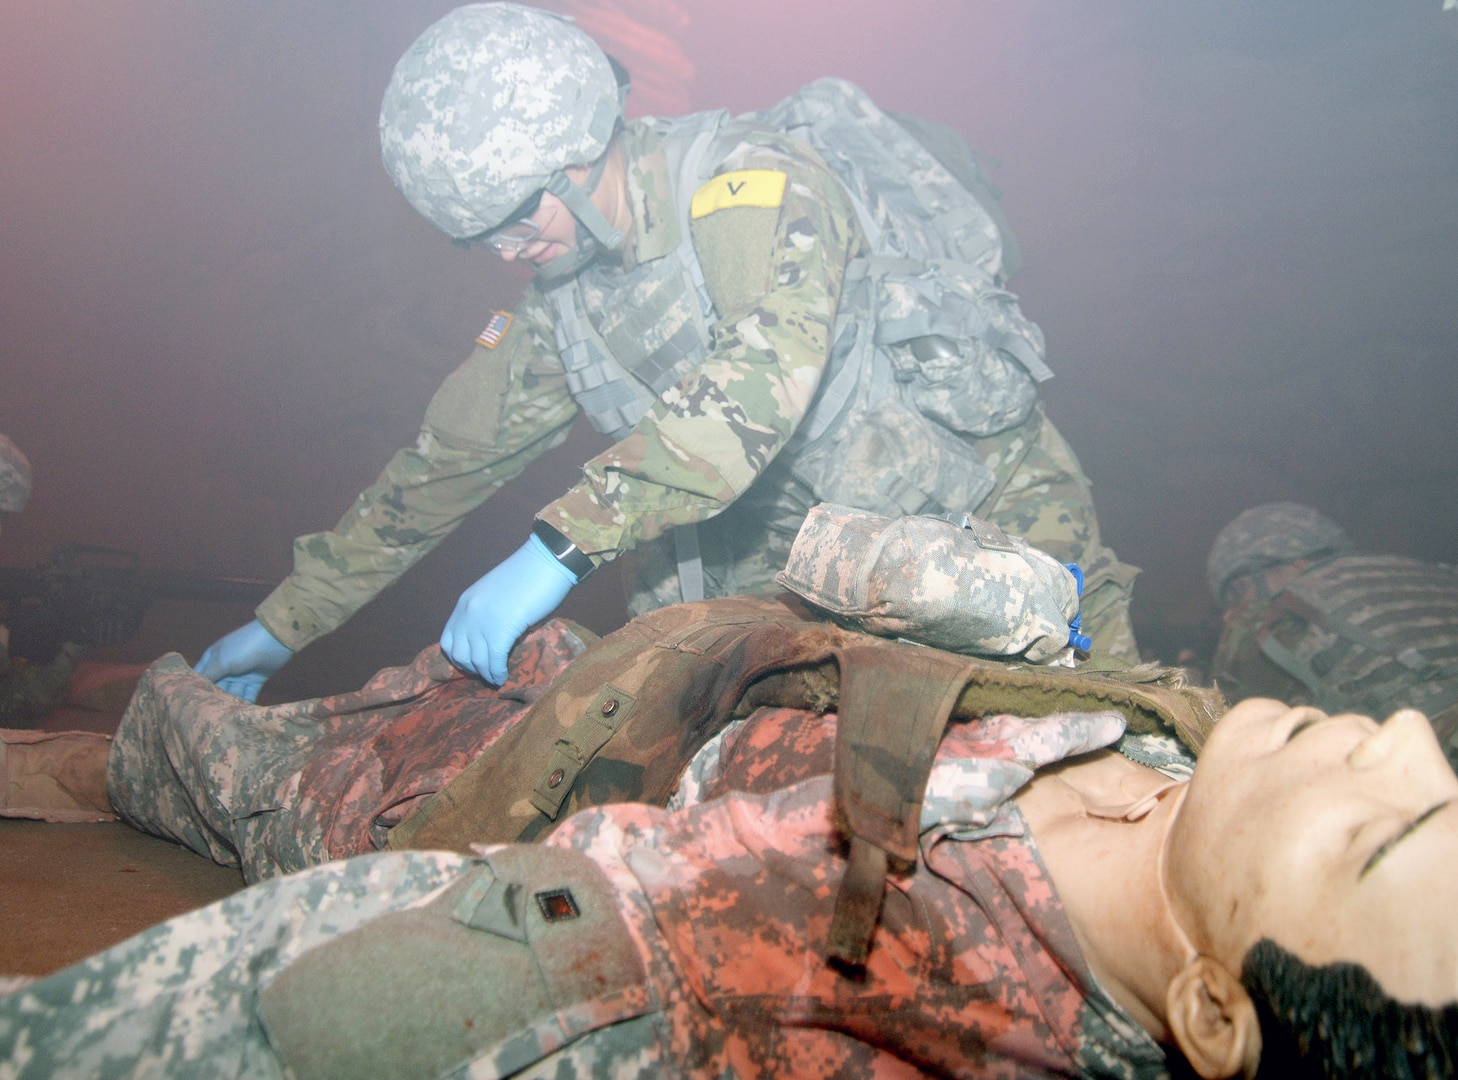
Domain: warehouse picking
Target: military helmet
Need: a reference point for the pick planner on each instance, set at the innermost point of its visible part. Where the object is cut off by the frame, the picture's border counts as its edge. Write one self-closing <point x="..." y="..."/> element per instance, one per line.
<point x="1269" y="535"/>
<point x="14" y="477"/>
<point x="490" y="103"/>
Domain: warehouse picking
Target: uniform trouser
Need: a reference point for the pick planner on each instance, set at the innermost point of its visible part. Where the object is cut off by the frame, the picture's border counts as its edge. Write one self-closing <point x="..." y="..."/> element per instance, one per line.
<point x="278" y="788"/>
<point x="233" y="989"/>
<point x="1046" y="499"/>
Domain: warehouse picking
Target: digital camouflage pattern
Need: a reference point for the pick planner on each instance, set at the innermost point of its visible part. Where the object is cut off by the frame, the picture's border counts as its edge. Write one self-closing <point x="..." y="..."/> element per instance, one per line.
<point x="486" y="105"/>
<point x="962" y="586"/>
<point x="1269" y="535"/>
<point x="1043" y="497"/>
<point x="1360" y="633"/>
<point x="278" y="788"/>
<point x="726" y="905"/>
<point x="14" y="477"/>
<point x="178" y="999"/>
<point x="27" y="691"/>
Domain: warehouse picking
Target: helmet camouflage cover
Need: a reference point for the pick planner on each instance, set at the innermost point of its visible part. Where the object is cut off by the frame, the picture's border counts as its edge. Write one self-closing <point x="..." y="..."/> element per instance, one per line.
<point x="488" y="104"/>
<point x="14" y="477"/>
<point x="1269" y="535"/>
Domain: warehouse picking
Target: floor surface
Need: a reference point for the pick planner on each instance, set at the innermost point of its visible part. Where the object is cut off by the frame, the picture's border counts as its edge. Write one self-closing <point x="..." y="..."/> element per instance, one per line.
<point x="67" y="891"/>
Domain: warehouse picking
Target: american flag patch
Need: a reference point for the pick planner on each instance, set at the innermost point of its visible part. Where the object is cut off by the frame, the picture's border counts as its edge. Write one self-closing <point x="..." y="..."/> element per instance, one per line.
<point x="491" y="336"/>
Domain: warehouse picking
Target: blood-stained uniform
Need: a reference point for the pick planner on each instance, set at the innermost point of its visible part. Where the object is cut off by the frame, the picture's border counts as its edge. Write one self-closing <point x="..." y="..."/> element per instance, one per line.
<point x="636" y="941"/>
<point x="273" y="789"/>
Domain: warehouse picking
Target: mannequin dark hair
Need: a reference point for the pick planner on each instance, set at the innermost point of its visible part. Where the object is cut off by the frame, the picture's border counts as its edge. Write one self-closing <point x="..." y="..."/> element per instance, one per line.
<point x="1336" y="1021"/>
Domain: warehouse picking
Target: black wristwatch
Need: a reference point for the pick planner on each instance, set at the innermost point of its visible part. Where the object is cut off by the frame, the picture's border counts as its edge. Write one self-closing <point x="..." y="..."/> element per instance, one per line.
<point x="563" y="550"/>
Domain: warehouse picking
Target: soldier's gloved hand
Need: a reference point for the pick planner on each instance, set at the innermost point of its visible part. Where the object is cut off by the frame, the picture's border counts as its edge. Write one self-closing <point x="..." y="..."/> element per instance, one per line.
<point x="242" y="661"/>
<point x="525" y="588"/>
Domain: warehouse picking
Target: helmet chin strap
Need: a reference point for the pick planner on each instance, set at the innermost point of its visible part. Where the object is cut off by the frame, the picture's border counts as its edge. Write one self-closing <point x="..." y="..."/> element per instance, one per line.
<point x="600" y="236"/>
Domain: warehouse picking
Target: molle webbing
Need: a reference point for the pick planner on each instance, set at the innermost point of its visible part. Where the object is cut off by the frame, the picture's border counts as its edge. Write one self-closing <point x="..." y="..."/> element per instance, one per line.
<point x="1392" y="620"/>
<point x="623" y="720"/>
<point x="626" y="717"/>
<point x="614" y="380"/>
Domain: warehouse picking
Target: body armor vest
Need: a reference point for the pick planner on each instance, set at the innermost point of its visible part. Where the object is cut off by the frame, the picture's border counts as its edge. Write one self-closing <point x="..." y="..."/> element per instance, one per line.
<point x="881" y="434"/>
<point x="1369" y="634"/>
<point x="625" y="718"/>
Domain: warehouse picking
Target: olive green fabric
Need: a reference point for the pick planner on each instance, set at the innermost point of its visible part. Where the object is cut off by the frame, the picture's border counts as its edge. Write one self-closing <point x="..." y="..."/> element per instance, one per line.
<point x="625" y="718"/>
<point x="512" y="961"/>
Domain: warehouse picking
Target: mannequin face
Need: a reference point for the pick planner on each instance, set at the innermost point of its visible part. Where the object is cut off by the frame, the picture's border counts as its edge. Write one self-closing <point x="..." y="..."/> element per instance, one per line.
<point x="1334" y="836"/>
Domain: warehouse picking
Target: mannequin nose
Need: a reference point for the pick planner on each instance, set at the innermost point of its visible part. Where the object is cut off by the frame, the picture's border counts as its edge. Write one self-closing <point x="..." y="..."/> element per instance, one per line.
<point x="1404" y="737"/>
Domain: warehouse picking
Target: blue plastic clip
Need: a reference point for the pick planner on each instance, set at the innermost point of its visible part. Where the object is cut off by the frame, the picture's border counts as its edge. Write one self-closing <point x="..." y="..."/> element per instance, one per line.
<point x="1081" y="642"/>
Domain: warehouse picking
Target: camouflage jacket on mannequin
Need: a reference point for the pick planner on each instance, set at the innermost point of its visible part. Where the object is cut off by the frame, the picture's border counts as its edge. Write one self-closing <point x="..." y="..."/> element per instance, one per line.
<point x="635" y="942"/>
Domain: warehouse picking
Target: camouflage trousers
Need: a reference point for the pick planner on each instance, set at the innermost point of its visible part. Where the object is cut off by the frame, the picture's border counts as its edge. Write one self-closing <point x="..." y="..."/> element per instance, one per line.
<point x="1045" y="499"/>
<point x="278" y="788"/>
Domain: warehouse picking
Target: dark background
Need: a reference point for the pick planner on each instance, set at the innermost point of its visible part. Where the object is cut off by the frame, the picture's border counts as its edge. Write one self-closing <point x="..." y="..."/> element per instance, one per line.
<point x="218" y="319"/>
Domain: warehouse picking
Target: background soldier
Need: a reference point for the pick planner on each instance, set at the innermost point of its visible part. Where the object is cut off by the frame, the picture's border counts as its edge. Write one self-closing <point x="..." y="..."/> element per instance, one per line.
<point x="27" y="691"/>
<point x="706" y="294"/>
<point x="1307" y="620"/>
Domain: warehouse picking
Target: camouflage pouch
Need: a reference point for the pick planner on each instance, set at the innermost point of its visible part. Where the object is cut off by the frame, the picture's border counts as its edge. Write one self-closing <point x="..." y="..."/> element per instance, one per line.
<point x="971" y="365"/>
<point x="868" y="464"/>
<point x="962" y="585"/>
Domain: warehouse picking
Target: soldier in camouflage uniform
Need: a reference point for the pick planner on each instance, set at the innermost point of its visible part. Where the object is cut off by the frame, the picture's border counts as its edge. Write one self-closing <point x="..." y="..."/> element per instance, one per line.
<point x="701" y="284"/>
<point x="691" y="942"/>
<point x="1310" y="621"/>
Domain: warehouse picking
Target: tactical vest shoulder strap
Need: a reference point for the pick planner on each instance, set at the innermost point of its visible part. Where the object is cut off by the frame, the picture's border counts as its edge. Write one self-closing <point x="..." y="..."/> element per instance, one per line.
<point x="894" y="702"/>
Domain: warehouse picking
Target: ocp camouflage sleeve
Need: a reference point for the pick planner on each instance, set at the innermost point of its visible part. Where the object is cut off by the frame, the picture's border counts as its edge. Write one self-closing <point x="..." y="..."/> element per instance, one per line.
<point x="492" y="417"/>
<point x="705" y="441"/>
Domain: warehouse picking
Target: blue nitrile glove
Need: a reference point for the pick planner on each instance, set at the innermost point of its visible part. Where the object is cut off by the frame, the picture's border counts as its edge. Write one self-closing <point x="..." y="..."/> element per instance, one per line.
<point x="526" y="587"/>
<point x="1081" y="642"/>
<point x="242" y="661"/>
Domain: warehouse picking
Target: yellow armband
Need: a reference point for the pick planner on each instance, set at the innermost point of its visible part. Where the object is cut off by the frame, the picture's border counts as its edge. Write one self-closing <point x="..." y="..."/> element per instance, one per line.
<point x="763" y="188"/>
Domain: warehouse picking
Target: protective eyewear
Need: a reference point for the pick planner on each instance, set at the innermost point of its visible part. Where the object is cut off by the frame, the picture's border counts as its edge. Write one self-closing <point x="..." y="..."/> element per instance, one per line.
<point x="519" y="230"/>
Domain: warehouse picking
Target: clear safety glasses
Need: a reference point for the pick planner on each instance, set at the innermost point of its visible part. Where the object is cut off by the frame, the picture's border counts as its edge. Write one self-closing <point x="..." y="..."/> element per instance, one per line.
<point x="519" y="230"/>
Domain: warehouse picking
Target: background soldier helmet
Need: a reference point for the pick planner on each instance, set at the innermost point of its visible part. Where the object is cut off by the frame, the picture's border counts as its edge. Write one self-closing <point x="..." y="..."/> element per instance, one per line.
<point x="14" y="477"/>
<point x="487" y="106"/>
<point x="1268" y="535"/>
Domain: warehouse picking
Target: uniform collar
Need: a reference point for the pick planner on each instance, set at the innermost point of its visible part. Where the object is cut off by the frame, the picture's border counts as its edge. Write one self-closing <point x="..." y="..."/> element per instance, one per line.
<point x="650" y="196"/>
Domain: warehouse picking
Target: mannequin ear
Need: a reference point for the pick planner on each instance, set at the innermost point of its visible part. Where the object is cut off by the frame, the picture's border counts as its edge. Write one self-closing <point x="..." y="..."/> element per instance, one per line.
<point x="1213" y="1020"/>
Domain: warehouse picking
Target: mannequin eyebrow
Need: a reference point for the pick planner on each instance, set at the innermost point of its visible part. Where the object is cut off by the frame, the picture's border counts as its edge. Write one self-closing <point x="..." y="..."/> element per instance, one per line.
<point x="1406" y="831"/>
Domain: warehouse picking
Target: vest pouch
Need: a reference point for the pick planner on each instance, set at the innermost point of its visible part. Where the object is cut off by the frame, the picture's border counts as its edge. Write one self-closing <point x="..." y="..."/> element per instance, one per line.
<point x="963" y="586"/>
<point x="895" y="461"/>
<point x="970" y="364"/>
<point x="523" y="955"/>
